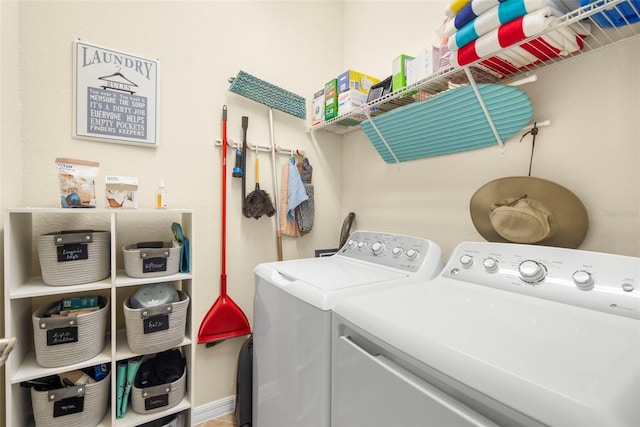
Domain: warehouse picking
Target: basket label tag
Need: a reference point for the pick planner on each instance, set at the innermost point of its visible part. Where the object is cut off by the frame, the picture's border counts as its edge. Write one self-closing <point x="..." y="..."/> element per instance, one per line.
<point x="156" y="323"/>
<point x="62" y="335"/>
<point x="72" y="252"/>
<point x="153" y="265"/>
<point x="68" y="406"/>
<point x="156" y="402"/>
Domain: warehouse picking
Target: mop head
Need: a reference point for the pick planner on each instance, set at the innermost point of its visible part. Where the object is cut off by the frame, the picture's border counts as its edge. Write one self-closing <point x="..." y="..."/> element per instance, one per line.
<point x="268" y="94"/>
<point x="258" y="203"/>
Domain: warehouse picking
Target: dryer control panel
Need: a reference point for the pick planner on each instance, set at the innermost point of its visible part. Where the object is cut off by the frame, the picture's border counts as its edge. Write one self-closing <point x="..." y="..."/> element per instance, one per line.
<point x="598" y="281"/>
<point x="407" y="253"/>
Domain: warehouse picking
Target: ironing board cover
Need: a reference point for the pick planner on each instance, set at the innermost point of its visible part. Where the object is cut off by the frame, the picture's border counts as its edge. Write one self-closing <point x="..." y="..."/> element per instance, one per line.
<point x="450" y="122"/>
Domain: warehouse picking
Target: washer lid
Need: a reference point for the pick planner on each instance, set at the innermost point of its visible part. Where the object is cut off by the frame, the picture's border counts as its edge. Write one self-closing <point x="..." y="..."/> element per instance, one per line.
<point x="324" y="281"/>
<point x="557" y="363"/>
<point x="335" y="273"/>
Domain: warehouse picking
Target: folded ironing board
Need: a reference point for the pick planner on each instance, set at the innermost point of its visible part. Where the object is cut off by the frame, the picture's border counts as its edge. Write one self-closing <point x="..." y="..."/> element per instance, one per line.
<point x="450" y="122"/>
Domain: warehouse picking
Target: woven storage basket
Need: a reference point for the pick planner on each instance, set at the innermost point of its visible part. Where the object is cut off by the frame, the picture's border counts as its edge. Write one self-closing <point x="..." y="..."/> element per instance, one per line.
<point x="160" y="397"/>
<point x="74" y="257"/>
<point x="61" y="407"/>
<point x="164" y="325"/>
<point x="55" y="338"/>
<point x="151" y="262"/>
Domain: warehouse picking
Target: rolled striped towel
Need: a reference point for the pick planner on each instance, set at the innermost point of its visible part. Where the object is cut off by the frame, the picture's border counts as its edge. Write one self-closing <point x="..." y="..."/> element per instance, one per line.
<point x="468" y="13"/>
<point x="511" y="33"/>
<point x="503" y="13"/>
<point x="454" y="7"/>
<point x="553" y="44"/>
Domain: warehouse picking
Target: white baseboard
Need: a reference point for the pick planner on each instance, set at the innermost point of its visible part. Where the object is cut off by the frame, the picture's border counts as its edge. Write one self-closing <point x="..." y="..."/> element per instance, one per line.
<point x="214" y="409"/>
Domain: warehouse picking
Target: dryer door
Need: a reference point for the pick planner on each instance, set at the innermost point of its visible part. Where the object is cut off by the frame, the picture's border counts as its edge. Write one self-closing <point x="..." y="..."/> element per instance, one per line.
<point x="373" y="391"/>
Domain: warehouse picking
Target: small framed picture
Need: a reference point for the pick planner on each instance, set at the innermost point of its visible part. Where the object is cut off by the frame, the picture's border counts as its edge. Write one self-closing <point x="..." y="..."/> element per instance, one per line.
<point x="115" y="96"/>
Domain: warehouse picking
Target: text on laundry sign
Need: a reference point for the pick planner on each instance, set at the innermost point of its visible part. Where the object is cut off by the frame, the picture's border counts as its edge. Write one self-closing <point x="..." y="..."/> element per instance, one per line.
<point x="116" y="113"/>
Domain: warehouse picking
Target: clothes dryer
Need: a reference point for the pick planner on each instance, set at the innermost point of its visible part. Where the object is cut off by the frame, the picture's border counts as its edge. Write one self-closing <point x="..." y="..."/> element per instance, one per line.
<point x="292" y="319"/>
<point x="506" y="334"/>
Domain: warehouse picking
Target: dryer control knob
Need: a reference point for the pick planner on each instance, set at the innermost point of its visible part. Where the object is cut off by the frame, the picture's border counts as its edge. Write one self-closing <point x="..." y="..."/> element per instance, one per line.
<point x="531" y="271"/>
<point x="583" y="280"/>
<point x="352" y="244"/>
<point x="362" y="245"/>
<point x="412" y="254"/>
<point x="490" y="264"/>
<point x="466" y="261"/>
<point x="378" y="247"/>
<point x="397" y="251"/>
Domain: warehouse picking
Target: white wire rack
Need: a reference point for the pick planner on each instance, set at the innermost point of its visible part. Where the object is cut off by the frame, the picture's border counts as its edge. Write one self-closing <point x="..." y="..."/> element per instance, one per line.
<point x="261" y="148"/>
<point x="587" y="19"/>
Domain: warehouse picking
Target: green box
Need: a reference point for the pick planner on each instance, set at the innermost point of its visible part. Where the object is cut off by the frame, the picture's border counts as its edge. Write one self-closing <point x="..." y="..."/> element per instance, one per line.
<point x="331" y="99"/>
<point x="399" y="75"/>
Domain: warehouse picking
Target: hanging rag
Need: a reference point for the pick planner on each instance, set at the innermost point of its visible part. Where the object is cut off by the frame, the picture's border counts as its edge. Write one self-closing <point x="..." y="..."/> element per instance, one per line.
<point x="286" y="228"/>
<point x="305" y="211"/>
<point x="295" y="191"/>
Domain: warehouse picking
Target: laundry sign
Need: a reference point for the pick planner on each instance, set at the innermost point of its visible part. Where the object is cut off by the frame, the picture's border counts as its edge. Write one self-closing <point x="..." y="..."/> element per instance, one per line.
<point x="115" y="96"/>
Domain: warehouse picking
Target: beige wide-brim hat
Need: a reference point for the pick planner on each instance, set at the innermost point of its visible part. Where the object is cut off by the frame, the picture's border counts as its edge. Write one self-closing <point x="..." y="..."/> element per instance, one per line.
<point x="523" y="209"/>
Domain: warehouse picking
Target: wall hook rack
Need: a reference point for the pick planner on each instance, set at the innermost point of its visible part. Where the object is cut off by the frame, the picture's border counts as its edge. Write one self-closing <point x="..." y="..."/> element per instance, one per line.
<point x="261" y="148"/>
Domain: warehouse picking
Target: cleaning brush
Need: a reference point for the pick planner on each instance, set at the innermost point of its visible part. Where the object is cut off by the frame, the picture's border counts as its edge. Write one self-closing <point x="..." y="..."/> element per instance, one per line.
<point x="251" y="87"/>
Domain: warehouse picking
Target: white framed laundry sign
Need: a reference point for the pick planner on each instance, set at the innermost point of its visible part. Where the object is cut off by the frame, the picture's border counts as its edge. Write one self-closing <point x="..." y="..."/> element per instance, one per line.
<point x="115" y="96"/>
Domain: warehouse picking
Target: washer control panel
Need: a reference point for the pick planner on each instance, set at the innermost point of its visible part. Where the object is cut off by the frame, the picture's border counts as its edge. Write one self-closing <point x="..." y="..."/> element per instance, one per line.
<point x="594" y="280"/>
<point x="408" y="253"/>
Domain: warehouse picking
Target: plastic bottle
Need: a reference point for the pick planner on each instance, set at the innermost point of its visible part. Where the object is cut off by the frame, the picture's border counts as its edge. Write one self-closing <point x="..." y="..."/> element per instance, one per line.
<point x="161" y="198"/>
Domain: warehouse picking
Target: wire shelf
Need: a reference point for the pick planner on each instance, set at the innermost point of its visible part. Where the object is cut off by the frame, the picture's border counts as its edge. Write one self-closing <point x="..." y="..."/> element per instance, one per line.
<point x="594" y="19"/>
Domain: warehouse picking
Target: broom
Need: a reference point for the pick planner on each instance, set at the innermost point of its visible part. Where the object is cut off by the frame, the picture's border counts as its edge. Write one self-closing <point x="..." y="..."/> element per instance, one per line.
<point x="272" y="96"/>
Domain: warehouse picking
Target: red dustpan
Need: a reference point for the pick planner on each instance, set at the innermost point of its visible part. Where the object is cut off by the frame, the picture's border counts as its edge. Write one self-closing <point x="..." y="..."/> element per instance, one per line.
<point x="224" y="319"/>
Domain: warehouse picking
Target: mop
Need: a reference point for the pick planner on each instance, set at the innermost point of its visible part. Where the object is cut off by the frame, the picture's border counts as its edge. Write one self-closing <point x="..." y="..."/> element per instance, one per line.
<point x="274" y="97"/>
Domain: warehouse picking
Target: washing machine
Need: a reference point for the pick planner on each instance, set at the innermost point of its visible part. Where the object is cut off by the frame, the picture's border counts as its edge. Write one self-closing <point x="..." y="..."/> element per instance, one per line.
<point x="292" y="319"/>
<point x="506" y="334"/>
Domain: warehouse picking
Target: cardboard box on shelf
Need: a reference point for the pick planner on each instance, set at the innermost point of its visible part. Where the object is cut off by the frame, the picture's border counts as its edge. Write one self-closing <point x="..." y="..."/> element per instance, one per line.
<point x="399" y="72"/>
<point x="120" y="191"/>
<point x="354" y="80"/>
<point x="331" y="99"/>
<point x="424" y="64"/>
<point x="350" y="100"/>
<point x="317" y="108"/>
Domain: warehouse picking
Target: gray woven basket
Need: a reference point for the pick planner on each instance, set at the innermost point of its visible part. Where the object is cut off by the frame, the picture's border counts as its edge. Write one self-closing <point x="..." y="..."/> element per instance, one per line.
<point x="50" y="333"/>
<point x="141" y="320"/>
<point x="151" y="262"/>
<point x="158" y="398"/>
<point x="94" y="399"/>
<point x="74" y="257"/>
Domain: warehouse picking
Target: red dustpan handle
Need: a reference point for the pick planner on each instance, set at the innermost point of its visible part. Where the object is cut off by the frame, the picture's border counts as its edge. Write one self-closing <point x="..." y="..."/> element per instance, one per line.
<point x="224" y="319"/>
<point x="223" y="249"/>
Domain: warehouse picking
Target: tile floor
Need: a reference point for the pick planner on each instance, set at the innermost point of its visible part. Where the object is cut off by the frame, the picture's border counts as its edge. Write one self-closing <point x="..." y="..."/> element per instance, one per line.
<point x="224" y="421"/>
